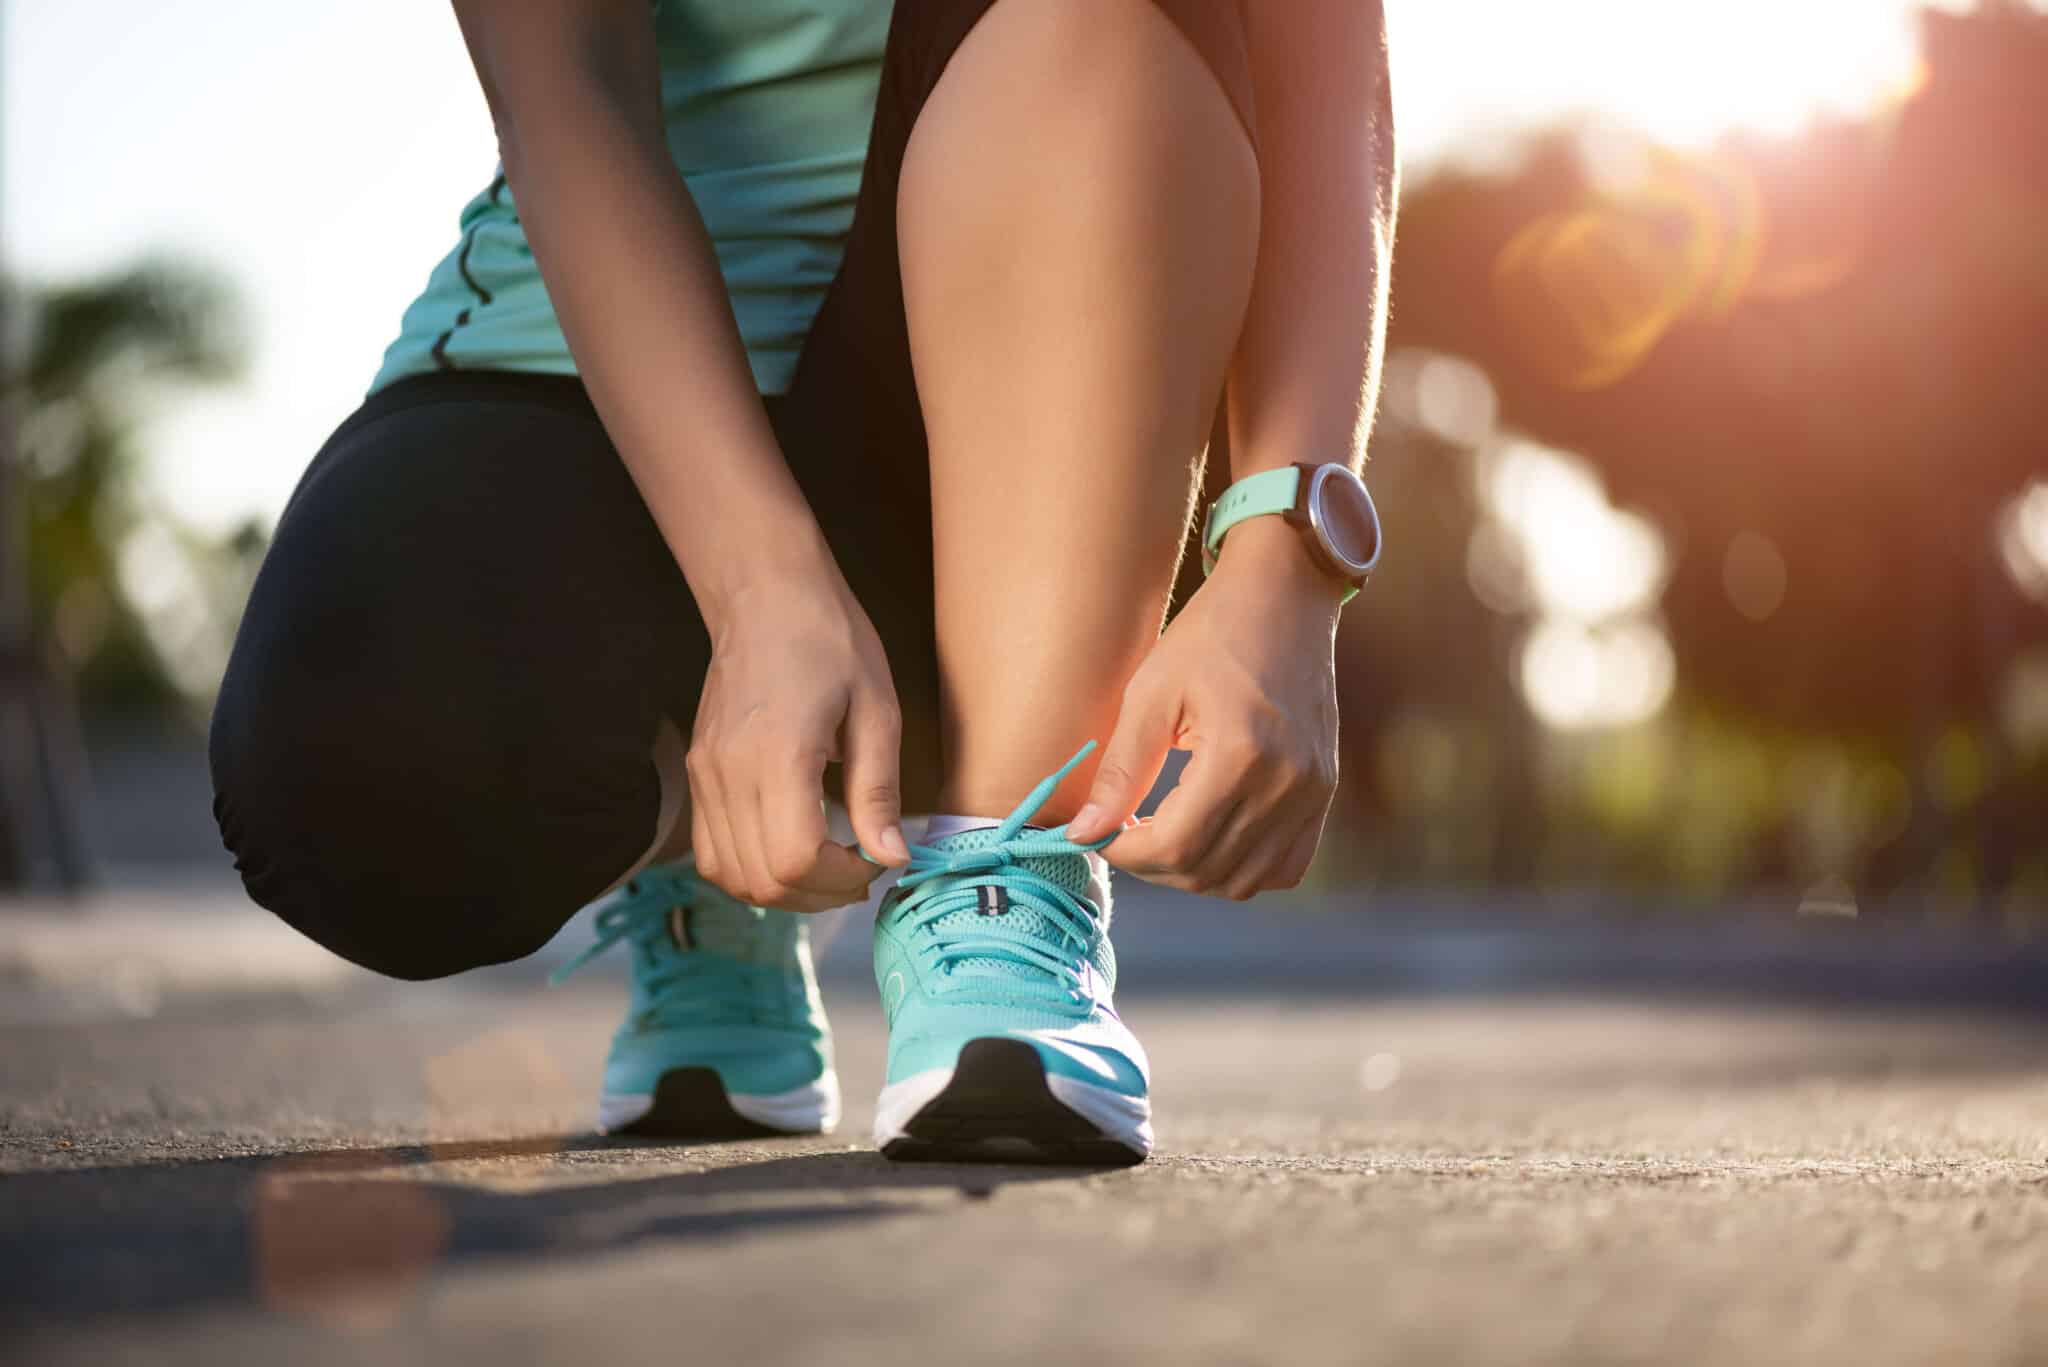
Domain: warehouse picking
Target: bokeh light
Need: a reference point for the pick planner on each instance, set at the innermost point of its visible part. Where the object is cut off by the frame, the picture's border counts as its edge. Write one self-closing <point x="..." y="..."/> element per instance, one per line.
<point x="1380" y="1071"/>
<point x="1577" y="677"/>
<point x="1753" y="572"/>
<point x="2023" y="540"/>
<point x="166" y="590"/>
<point x="1586" y="559"/>
<point x="1455" y="400"/>
<point x="2023" y="708"/>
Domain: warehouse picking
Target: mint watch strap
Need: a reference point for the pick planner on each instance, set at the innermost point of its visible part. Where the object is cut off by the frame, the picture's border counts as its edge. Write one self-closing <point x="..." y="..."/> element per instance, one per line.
<point x="1269" y="491"/>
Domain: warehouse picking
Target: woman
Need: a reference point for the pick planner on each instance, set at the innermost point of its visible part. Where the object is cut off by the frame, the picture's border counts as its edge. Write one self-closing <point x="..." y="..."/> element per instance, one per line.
<point x="878" y="492"/>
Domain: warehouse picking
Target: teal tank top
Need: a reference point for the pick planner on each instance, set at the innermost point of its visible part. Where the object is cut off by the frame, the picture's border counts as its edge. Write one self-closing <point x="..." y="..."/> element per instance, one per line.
<point x="768" y="104"/>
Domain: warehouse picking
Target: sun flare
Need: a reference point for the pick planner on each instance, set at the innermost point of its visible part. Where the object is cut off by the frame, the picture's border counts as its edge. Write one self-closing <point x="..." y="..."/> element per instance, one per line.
<point x="1682" y="74"/>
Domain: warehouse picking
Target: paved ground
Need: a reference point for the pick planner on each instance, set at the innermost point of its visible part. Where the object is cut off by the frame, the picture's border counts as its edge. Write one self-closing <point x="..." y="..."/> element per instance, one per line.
<point x="1419" y="1166"/>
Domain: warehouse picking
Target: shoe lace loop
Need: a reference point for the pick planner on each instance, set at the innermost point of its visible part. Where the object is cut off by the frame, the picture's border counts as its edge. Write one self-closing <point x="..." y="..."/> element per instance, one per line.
<point x="679" y="987"/>
<point x="939" y="884"/>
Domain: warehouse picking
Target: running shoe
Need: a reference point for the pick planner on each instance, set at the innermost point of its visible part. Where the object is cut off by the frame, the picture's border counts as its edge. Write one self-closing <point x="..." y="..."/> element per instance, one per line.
<point x="993" y="958"/>
<point x="725" y="1034"/>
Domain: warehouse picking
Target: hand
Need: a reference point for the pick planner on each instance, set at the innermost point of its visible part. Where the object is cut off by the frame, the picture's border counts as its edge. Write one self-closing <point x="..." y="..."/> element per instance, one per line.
<point x="798" y="678"/>
<point x="1245" y="677"/>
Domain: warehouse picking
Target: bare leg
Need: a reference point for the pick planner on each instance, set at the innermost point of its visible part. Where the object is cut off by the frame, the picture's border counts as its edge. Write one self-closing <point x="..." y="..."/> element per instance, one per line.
<point x="1078" y="222"/>
<point x="672" y="821"/>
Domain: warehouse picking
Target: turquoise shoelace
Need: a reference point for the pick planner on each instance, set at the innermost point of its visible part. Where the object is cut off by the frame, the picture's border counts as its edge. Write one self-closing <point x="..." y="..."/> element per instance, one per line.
<point x="940" y="883"/>
<point x="680" y="987"/>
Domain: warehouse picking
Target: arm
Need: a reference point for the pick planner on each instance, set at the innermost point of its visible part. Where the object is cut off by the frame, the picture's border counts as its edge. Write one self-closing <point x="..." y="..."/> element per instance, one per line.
<point x="1306" y="372"/>
<point x="574" y="91"/>
<point x="1245" y="676"/>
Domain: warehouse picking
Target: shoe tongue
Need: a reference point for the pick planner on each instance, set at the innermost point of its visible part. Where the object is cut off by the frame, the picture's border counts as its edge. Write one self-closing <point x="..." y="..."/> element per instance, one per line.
<point x="1076" y="873"/>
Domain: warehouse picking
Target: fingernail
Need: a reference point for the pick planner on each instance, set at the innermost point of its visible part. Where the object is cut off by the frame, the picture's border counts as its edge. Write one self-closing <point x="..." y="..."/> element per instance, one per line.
<point x="893" y="846"/>
<point x="1087" y="819"/>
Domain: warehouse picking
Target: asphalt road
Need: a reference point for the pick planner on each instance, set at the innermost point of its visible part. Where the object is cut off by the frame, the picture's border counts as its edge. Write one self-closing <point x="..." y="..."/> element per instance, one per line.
<point x="1374" y="1172"/>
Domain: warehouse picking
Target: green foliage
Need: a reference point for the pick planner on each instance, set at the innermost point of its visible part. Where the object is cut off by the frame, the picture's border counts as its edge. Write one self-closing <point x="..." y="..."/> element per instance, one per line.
<point x="90" y="364"/>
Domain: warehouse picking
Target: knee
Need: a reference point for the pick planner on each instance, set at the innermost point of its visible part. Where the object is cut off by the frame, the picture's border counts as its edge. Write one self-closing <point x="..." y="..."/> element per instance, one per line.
<point x="326" y="831"/>
<point x="380" y="821"/>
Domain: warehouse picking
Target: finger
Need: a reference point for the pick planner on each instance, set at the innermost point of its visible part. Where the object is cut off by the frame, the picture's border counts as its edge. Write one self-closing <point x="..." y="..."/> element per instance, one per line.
<point x="1273" y="810"/>
<point x="1130" y="763"/>
<point x="1294" y="867"/>
<point x="1279" y="863"/>
<point x="1171" y="845"/>
<point x="748" y="827"/>
<point x="840" y="878"/>
<point x="1250" y="825"/>
<point x="703" y="844"/>
<point x="805" y="864"/>
<point x="873" y="777"/>
<point x="1155" y="874"/>
<point x="711" y="837"/>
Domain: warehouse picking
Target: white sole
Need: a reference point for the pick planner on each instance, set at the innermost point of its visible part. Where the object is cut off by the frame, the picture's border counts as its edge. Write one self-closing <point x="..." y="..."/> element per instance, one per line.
<point x="1125" y="1120"/>
<point x="810" y="1109"/>
<point x="900" y="1102"/>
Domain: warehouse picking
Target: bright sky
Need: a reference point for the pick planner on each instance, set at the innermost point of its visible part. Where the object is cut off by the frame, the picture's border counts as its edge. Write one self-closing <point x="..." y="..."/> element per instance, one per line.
<point x="320" y="154"/>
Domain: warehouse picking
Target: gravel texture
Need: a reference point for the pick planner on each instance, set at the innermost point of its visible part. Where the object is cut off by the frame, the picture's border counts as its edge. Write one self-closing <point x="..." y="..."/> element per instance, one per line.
<point x="405" y="1175"/>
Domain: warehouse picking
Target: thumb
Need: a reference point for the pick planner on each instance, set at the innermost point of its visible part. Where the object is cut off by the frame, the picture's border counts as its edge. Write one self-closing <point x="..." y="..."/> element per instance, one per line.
<point x="1131" y="761"/>
<point x="874" y="790"/>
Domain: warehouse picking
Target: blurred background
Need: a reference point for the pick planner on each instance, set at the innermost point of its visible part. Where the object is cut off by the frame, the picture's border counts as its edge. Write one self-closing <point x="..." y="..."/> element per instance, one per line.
<point x="1669" y="986"/>
<point x="1710" y="450"/>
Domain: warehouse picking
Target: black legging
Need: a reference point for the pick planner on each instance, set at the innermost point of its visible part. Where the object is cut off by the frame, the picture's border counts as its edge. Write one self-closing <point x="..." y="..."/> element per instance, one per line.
<point x="433" y="741"/>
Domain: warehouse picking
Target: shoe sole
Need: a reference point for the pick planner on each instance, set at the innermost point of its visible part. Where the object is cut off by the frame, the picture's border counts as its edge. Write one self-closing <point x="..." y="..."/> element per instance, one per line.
<point x="692" y="1103"/>
<point x="997" y="1104"/>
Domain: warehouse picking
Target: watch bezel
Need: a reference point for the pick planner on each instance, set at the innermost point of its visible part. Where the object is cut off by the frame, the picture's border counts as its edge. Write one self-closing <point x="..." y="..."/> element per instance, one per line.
<point x="1312" y="502"/>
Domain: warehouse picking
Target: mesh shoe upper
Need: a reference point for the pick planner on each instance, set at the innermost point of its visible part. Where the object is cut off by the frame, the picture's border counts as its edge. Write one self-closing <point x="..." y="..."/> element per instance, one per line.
<point x="715" y="983"/>
<point x="1004" y="932"/>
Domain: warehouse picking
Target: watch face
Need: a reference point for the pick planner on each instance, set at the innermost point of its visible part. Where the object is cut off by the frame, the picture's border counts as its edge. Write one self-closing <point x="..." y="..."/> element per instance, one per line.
<point x="1343" y="513"/>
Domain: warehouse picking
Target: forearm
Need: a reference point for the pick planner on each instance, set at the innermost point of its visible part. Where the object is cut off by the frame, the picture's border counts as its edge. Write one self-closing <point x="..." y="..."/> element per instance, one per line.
<point x="1303" y="381"/>
<point x="632" y="277"/>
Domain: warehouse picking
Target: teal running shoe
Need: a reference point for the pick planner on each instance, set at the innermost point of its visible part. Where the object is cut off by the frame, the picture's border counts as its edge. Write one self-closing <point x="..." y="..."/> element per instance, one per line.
<point x="994" y="963"/>
<point x="725" y="1034"/>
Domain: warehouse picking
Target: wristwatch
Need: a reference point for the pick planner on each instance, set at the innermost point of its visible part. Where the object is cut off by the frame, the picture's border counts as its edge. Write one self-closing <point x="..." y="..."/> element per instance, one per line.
<point x="1327" y="504"/>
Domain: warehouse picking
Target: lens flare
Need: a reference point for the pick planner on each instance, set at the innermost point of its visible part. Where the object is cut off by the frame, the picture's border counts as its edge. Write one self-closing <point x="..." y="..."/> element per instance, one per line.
<point x="1662" y="238"/>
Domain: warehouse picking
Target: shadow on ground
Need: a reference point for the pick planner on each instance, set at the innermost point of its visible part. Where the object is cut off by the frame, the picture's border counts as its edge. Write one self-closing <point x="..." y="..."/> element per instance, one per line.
<point x="337" y="1233"/>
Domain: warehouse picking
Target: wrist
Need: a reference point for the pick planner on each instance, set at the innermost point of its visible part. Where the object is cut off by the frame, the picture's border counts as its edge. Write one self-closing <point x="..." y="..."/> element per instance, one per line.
<point x="1273" y="555"/>
<point x="739" y="580"/>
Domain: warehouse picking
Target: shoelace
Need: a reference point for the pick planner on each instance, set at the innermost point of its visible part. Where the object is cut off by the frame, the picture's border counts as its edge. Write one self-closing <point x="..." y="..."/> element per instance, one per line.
<point x="939" y="883"/>
<point x="681" y="987"/>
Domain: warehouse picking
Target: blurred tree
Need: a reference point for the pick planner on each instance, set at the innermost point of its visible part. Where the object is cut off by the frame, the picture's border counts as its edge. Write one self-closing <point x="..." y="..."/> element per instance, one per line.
<point x="1814" y="362"/>
<point x="84" y="367"/>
